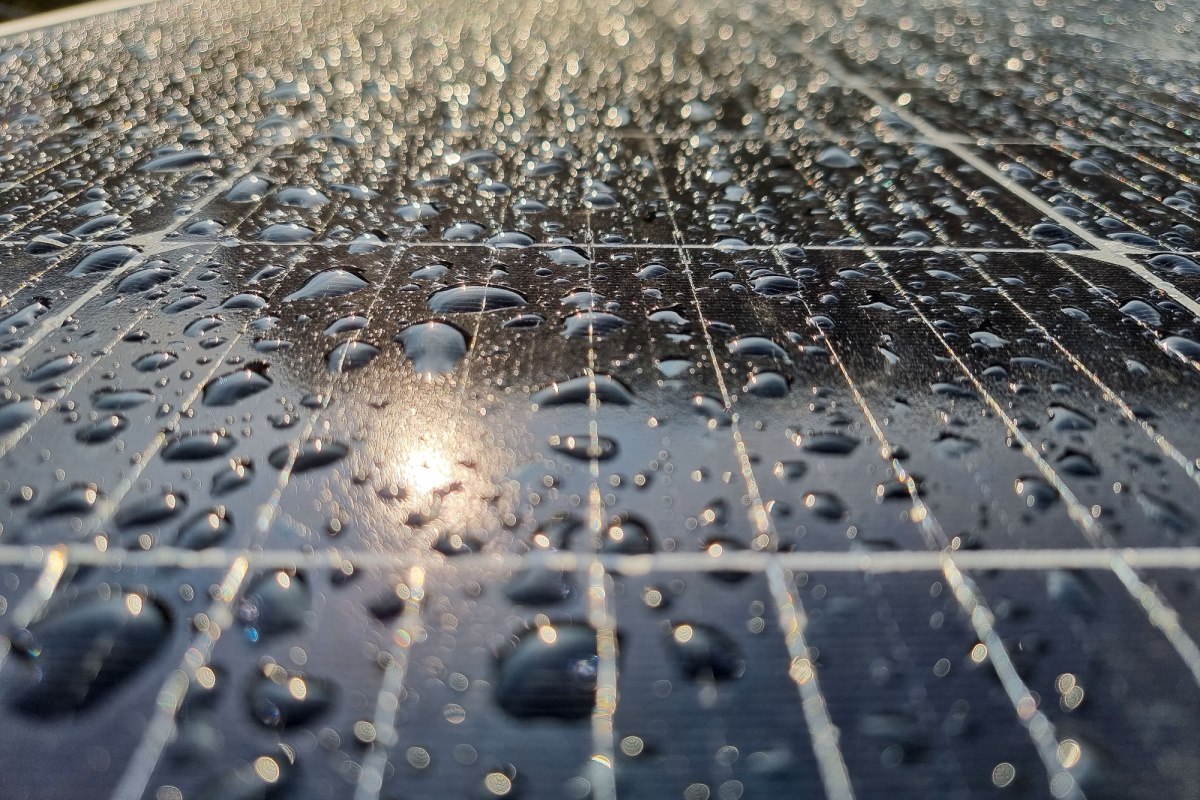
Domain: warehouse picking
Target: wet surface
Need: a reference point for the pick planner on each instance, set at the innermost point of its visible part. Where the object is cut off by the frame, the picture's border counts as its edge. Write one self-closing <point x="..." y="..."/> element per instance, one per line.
<point x="600" y="400"/>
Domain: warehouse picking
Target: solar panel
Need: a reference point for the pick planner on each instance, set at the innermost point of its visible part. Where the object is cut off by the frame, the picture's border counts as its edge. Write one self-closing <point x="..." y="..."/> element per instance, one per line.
<point x="596" y="400"/>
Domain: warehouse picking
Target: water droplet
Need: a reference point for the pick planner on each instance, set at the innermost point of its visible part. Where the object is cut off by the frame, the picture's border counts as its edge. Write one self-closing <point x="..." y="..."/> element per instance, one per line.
<point x="581" y="447"/>
<point x="538" y="586"/>
<point x="313" y="454"/>
<point x="82" y="652"/>
<point x="234" y="386"/>
<point x="592" y="323"/>
<point x="207" y="529"/>
<point x="300" y="198"/>
<point x="626" y="535"/>
<point x="1064" y="418"/>
<point x="55" y="367"/>
<point x="178" y="161"/>
<point x="76" y="499"/>
<point x="510" y="240"/>
<point x="550" y="673"/>
<point x="1176" y="263"/>
<point x="245" y="300"/>
<point x="106" y="260"/>
<point x="767" y="384"/>
<point x="150" y="509"/>
<point x="1085" y="166"/>
<point x="152" y="362"/>
<point x="462" y="232"/>
<point x="286" y="233"/>
<point x="701" y="651"/>
<point x="104" y="429"/>
<point x="15" y="413"/>
<point x="1143" y="312"/>
<point x="828" y="443"/>
<point x="751" y="346"/>
<point x="282" y="699"/>
<point x="329" y="283"/>
<point x="145" y="279"/>
<point x="250" y="189"/>
<point x="825" y="505"/>
<point x="566" y="257"/>
<point x="474" y="300"/>
<point x="366" y="242"/>
<point x="836" y="158"/>
<point x="578" y="391"/>
<point x="350" y="355"/>
<point x="235" y="474"/>
<point x="275" y="603"/>
<point x="1182" y="346"/>
<point x="198" y="446"/>
<point x="434" y="348"/>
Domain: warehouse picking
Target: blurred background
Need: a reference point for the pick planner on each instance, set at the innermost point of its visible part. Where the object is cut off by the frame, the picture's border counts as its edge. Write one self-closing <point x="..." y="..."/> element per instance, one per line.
<point x="13" y="9"/>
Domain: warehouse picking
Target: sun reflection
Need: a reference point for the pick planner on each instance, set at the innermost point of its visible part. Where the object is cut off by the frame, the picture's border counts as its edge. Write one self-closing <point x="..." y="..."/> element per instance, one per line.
<point x="426" y="470"/>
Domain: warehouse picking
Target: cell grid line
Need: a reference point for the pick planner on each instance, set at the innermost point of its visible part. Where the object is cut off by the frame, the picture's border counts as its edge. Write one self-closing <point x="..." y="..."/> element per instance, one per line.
<point x="10" y="440"/>
<point x="150" y="749"/>
<point x="718" y="246"/>
<point x="1093" y="531"/>
<point x="1164" y="618"/>
<point x="1118" y="256"/>
<point x="1158" y="439"/>
<point x="47" y="325"/>
<point x="405" y="636"/>
<point x="968" y="598"/>
<point x="368" y="787"/>
<point x="602" y="766"/>
<point x="788" y="607"/>
<point x="34" y="602"/>
<point x="1084" y="558"/>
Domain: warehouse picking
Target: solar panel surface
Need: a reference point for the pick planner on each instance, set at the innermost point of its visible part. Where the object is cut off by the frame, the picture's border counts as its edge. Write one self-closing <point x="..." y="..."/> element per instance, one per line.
<point x="581" y="399"/>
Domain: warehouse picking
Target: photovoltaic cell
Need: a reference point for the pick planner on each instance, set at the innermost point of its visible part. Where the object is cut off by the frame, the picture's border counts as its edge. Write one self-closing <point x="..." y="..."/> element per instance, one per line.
<point x="583" y="399"/>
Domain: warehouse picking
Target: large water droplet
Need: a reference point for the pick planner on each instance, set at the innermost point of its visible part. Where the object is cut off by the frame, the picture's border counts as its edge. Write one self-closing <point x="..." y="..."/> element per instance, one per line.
<point x="145" y="279"/>
<point x="462" y="232"/>
<point x="198" y="446"/>
<point x="106" y="260"/>
<point x="76" y="499"/>
<point x="82" y="652"/>
<point x="350" y="355"/>
<point x="592" y="323"/>
<point x="750" y="346"/>
<point x="15" y="413"/>
<point x="104" y="429"/>
<point x="179" y="161"/>
<point x="286" y="233"/>
<point x="234" y="386"/>
<point x="313" y="454"/>
<point x="250" y="189"/>
<point x="329" y="283"/>
<point x="150" y="509"/>
<point x="551" y="673"/>
<point x="300" y="198"/>
<point x="152" y="362"/>
<point x="828" y="443"/>
<point x="474" y="299"/>
<point x="836" y="158"/>
<point x="55" y="367"/>
<point x="207" y="529"/>
<point x="578" y="391"/>
<point x="702" y="651"/>
<point x="282" y="699"/>
<point x="435" y="348"/>
<point x="275" y="603"/>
